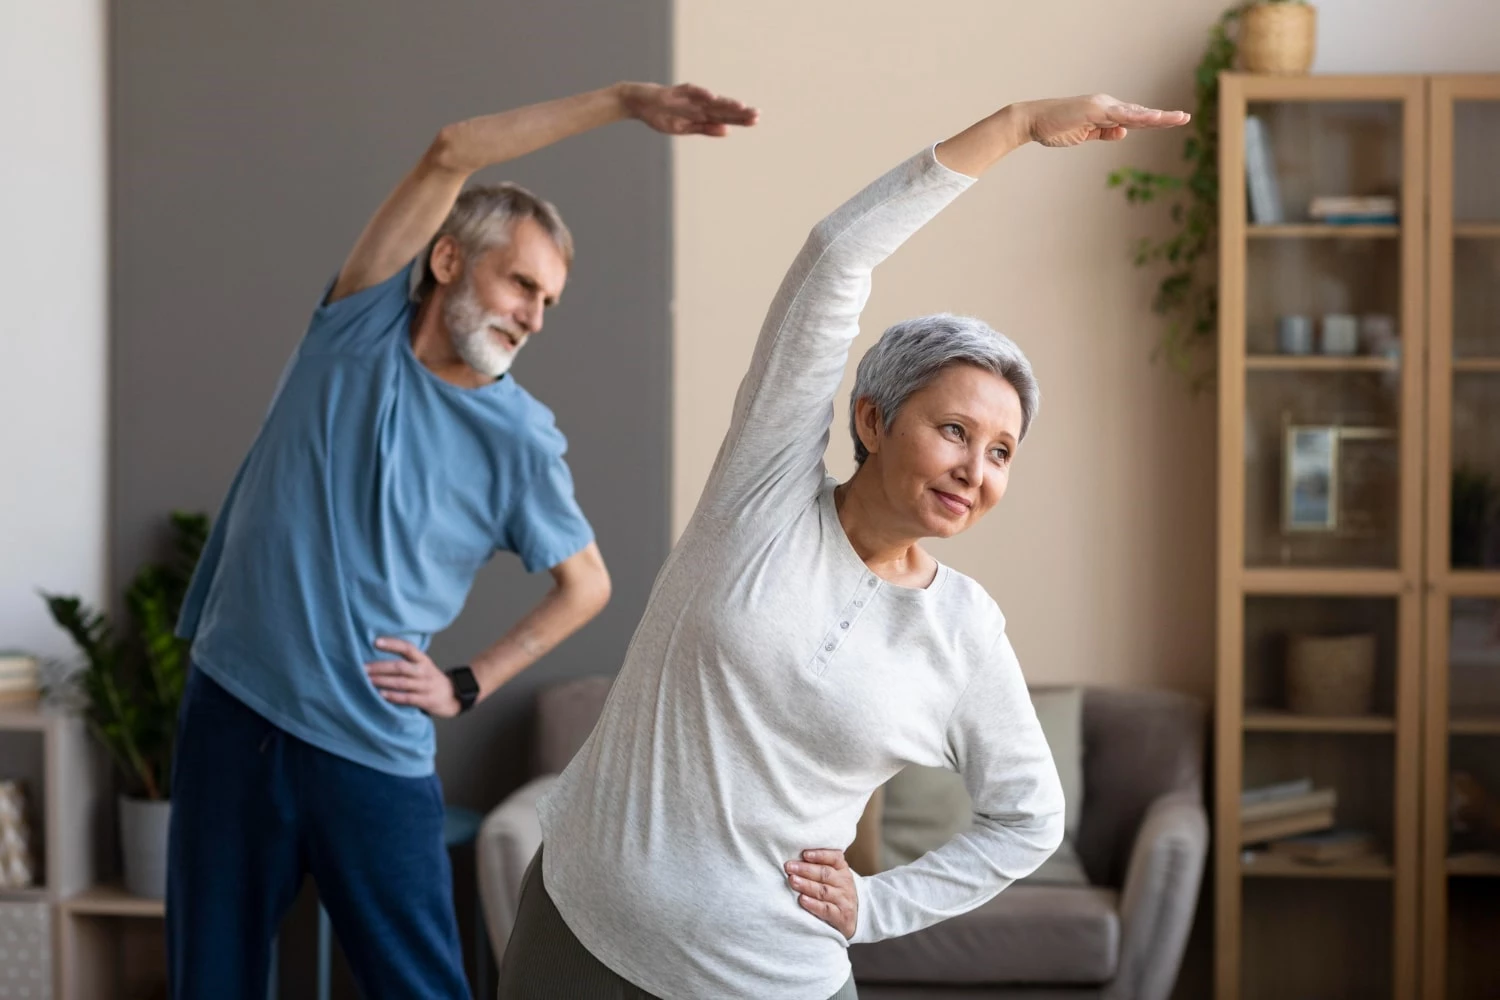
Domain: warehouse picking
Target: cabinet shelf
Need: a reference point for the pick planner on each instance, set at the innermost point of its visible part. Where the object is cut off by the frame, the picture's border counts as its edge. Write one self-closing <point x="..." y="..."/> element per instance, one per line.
<point x="1322" y="582"/>
<point x="1316" y="230"/>
<point x="1481" y="365"/>
<point x="1315" y="363"/>
<point x="1480" y="863"/>
<point x="1272" y="721"/>
<point x="1474" y="725"/>
<point x="1266" y="865"/>
<point x="1476" y="230"/>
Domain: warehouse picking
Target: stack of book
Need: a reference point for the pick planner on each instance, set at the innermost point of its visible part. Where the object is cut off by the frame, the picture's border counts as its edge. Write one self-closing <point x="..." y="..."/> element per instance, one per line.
<point x="18" y="678"/>
<point x="1273" y="812"/>
<point x="1344" y="210"/>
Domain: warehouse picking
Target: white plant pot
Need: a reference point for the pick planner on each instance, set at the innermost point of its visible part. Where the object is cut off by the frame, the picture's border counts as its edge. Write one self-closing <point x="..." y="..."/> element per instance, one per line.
<point x="143" y="843"/>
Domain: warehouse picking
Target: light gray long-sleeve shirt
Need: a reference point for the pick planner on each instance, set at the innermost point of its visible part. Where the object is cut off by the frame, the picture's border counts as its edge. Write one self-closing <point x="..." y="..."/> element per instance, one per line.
<point x="774" y="682"/>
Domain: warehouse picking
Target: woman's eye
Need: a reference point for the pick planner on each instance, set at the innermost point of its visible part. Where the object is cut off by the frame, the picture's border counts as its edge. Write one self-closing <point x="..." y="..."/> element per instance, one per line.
<point x="1000" y="455"/>
<point x="955" y="430"/>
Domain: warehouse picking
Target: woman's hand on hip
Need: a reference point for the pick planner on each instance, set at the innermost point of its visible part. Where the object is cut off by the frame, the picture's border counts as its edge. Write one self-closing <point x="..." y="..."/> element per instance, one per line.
<point x="825" y="888"/>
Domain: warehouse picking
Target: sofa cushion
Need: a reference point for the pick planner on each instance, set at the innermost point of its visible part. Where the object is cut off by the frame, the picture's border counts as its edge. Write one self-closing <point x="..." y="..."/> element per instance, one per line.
<point x="1027" y="934"/>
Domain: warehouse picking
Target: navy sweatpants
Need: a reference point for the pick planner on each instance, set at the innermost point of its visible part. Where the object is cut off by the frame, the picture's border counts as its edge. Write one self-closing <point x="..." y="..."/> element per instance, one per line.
<point x="255" y="811"/>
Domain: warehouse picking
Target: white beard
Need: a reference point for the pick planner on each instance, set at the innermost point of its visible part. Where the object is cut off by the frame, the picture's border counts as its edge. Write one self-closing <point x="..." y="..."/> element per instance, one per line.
<point x="473" y="332"/>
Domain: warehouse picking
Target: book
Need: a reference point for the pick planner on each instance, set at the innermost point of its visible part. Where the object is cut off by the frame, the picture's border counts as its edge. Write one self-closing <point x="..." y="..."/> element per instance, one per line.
<point x="1352" y="210"/>
<point x="1260" y="174"/>
<point x="1280" y="790"/>
<point x="1325" y="847"/>
<point x="1327" y="204"/>
<point x="17" y="665"/>
<point x="1260" y="831"/>
<point x="1291" y="805"/>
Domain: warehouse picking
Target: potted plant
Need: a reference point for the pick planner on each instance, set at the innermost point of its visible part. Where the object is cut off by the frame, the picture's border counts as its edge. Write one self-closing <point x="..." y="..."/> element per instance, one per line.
<point x="1187" y="295"/>
<point x="1278" y="37"/>
<point x="129" y="688"/>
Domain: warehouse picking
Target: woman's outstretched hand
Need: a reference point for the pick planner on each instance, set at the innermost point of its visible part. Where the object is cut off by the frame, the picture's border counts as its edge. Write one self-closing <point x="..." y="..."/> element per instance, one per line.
<point x="825" y="888"/>
<point x="1072" y="121"/>
<point x="1064" y="121"/>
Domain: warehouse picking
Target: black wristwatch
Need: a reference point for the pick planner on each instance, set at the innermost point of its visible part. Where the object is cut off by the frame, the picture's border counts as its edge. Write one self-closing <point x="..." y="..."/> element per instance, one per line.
<point x="465" y="688"/>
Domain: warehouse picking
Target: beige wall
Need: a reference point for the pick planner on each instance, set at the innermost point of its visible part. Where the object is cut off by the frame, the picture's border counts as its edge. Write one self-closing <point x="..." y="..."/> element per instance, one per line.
<point x="1102" y="552"/>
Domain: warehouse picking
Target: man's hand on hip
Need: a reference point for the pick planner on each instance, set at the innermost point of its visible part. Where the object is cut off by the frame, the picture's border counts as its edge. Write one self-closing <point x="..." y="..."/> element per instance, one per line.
<point x="413" y="680"/>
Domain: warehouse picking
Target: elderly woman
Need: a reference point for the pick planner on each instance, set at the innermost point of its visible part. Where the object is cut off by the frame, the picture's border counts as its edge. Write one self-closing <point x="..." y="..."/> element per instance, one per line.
<point x="800" y="647"/>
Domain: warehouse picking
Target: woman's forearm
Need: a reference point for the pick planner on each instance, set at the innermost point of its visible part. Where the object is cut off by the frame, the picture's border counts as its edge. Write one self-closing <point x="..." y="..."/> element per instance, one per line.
<point x="983" y="144"/>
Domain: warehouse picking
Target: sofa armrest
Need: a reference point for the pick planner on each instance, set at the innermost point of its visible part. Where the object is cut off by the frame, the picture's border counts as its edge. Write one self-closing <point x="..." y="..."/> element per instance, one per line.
<point x="1160" y="896"/>
<point x="508" y="839"/>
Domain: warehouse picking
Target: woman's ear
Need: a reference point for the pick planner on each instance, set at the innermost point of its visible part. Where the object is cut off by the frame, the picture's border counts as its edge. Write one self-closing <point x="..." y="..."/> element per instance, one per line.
<point x="868" y="424"/>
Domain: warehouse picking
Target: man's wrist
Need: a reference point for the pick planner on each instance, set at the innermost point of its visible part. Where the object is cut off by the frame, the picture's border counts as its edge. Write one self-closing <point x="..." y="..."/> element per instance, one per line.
<point x="465" y="687"/>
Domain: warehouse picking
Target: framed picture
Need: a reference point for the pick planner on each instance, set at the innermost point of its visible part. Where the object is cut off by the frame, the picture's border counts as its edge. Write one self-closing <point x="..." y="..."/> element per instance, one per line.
<point x="1311" y="500"/>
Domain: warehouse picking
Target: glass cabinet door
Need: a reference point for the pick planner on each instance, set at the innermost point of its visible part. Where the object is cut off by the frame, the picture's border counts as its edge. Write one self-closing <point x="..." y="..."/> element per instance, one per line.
<point x="1462" y="798"/>
<point x="1328" y="243"/>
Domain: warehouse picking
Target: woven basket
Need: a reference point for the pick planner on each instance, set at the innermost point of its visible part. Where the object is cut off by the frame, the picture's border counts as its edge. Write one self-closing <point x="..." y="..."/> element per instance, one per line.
<point x="1330" y="674"/>
<point x="1278" y="38"/>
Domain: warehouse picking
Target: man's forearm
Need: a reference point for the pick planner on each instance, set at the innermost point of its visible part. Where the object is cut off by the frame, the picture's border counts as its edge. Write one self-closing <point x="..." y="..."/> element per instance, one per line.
<point x="561" y="613"/>
<point x="475" y="143"/>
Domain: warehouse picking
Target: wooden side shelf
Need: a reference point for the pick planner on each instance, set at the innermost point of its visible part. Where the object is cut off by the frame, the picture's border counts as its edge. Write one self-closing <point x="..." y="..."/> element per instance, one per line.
<point x="110" y="945"/>
<point x="113" y="901"/>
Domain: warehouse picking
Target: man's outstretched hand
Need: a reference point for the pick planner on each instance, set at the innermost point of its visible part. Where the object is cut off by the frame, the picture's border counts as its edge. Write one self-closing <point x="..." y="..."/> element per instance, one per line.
<point x="685" y="109"/>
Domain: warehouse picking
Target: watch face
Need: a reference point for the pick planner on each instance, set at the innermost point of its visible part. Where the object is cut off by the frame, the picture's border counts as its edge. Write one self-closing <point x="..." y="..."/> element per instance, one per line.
<point x="465" y="687"/>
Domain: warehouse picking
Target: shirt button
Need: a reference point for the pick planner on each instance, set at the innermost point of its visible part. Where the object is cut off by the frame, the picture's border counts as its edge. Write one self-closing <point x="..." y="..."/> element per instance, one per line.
<point x="843" y="624"/>
<point x="829" y="647"/>
<point x="870" y="583"/>
<point x="859" y="604"/>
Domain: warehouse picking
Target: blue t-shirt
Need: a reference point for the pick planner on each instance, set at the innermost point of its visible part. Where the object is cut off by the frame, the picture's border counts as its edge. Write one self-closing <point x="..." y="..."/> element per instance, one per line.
<point x="371" y="497"/>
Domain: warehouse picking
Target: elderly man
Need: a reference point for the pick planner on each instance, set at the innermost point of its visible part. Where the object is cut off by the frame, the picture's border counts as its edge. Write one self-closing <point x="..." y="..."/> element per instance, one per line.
<point x="396" y="458"/>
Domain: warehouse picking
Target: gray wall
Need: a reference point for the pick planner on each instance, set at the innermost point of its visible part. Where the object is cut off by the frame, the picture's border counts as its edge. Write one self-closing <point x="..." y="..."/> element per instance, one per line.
<point x="250" y="143"/>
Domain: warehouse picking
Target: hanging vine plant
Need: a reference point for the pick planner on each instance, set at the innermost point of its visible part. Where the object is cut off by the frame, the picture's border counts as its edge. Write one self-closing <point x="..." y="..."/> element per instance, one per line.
<point x="1187" y="296"/>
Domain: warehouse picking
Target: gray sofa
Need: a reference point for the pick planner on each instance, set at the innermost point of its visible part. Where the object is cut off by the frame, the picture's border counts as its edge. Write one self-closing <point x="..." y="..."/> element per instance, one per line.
<point x="1143" y="836"/>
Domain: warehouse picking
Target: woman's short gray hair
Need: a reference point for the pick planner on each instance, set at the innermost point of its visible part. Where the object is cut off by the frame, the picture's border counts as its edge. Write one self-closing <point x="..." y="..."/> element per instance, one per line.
<point x="910" y="354"/>
<point x="483" y="218"/>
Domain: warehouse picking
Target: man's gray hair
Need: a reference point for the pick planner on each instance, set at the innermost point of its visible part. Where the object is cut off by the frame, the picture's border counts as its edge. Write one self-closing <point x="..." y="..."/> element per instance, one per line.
<point x="910" y="355"/>
<point x="484" y="218"/>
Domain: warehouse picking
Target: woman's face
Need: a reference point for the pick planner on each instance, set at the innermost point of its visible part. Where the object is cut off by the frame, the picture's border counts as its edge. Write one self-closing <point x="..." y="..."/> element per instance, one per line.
<point x="945" y="461"/>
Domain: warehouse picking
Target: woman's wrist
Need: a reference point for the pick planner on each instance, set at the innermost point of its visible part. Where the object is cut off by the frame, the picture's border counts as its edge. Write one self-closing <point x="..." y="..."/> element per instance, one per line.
<point x="983" y="144"/>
